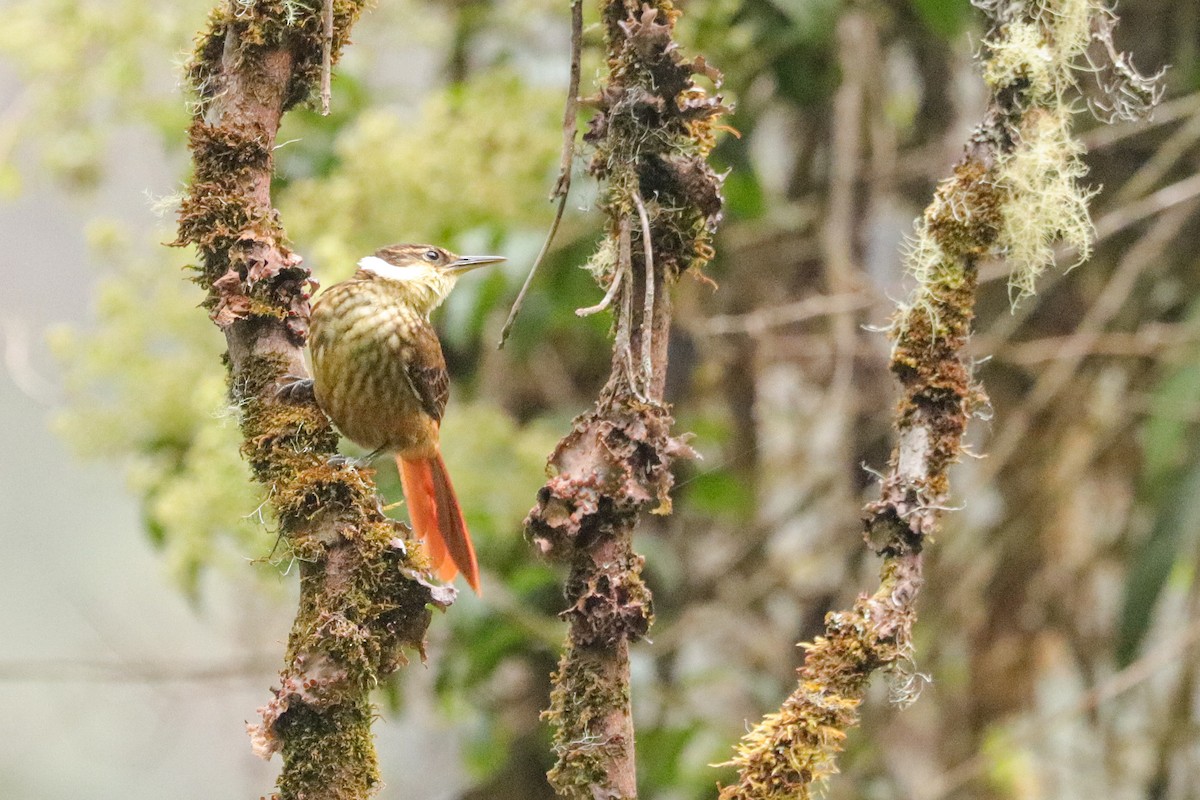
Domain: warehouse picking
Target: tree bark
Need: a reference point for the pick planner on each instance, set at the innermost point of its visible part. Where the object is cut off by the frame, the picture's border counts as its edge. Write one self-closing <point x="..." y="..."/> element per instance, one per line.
<point x="362" y="596"/>
<point x="651" y="135"/>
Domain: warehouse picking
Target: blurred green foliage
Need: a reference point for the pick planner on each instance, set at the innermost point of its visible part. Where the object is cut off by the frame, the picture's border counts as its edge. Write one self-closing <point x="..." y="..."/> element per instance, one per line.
<point x="146" y="389"/>
<point x="1169" y="492"/>
<point x="87" y="69"/>
<point x="946" y="18"/>
<point x="474" y="157"/>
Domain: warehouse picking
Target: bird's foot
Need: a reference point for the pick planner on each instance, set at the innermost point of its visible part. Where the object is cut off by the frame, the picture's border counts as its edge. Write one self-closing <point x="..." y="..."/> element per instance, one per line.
<point x="358" y="462"/>
<point x="296" y="390"/>
<point x="340" y="460"/>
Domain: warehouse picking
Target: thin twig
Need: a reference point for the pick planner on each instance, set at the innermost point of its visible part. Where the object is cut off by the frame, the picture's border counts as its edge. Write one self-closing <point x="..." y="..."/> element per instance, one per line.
<point x="623" y="344"/>
<point x="606" y="301"/>
<point x="1149" y="340"/>
<point x="1165" y="198"/>
<point x="1164" y="161"/>
<point x="648" y="301"/>
<point x="761" y="320"/>
<point x="562" y="186"/>
<point x="327" y="60"/>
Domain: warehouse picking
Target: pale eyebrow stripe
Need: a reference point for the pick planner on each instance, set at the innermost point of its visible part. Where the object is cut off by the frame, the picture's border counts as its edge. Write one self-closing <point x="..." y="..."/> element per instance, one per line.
<point x="385" y="270"/>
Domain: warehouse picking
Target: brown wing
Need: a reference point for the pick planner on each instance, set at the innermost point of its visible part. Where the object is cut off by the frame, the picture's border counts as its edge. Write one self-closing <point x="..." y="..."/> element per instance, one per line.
<point x="425" y="371"/>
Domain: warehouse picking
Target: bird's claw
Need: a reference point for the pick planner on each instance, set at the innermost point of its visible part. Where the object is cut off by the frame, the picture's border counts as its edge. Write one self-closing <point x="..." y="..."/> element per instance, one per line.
<point x="340" y="460"/>
<point x="384" y="509"/>
<point x="296" y="390"/>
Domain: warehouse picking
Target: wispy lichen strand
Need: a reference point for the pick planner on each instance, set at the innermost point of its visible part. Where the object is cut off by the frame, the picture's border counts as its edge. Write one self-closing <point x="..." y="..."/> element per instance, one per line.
<point x="1036" y="55"/>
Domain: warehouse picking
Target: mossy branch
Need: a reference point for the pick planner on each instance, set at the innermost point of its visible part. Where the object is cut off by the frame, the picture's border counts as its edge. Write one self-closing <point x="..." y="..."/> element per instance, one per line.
<point x="651" y="134"/>
<point x="363" y="601"/>
<point x="1014" y="193"/>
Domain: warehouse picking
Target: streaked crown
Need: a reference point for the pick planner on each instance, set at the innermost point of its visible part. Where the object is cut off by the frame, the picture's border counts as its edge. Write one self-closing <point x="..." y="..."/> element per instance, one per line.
<point x="400" y="255"/>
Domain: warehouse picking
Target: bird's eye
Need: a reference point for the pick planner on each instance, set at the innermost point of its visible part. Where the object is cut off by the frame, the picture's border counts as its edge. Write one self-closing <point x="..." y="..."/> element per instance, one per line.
<point x="432" y="255"/>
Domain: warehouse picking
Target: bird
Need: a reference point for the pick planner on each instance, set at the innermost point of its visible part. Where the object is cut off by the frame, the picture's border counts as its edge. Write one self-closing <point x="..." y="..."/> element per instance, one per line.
<point x="379" y="374"/>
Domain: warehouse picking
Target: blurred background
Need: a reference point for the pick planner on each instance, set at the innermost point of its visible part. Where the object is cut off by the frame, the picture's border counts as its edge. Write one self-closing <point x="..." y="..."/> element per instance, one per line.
<point x="146" y="602"/>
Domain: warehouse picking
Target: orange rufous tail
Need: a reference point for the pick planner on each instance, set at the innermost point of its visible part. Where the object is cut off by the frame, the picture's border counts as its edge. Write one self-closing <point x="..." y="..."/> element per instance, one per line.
<point x="437" y="518"/>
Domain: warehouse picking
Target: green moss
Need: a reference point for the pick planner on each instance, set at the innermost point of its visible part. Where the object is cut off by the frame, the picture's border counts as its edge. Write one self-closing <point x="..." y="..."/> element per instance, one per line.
<point x="963" y="220"/>
<point x="263" y="26"/>
<point x="792" y="750"/>
<point x="328" y="747"/>
<point x="581" y="699"/>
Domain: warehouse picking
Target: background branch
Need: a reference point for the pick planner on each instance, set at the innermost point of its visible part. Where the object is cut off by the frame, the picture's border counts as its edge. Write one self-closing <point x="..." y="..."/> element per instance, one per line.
<point x="994" y="199"/>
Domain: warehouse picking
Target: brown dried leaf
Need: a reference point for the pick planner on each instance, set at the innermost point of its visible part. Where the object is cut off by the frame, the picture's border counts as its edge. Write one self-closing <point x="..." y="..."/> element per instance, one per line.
<point x="232" y="303"/>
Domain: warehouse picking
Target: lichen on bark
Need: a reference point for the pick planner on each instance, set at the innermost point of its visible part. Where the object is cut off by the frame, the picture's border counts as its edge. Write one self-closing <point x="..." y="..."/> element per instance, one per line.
<point x="650" y="138"/>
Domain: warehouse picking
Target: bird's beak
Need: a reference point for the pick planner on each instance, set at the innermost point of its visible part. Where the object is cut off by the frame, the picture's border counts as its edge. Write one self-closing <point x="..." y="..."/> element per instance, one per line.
<point x="468" y="263"/>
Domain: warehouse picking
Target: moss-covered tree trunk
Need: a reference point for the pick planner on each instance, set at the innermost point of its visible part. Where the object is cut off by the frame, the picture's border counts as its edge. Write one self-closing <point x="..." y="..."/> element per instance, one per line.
<point x="651" y="135"/>
<point x="362" y="599"/>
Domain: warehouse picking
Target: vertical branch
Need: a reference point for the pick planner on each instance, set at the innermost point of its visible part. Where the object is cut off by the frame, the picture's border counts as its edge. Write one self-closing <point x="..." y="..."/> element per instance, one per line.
<point x="562" y="186"/>
<point x="855" y="41"/>
<point x="651" y="135"/>
<point x="1015" y="192"/>
<point x="361" y="597"/>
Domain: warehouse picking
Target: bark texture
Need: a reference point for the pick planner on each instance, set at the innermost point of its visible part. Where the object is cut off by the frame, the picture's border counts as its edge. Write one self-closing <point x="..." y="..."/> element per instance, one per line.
<point x="1013" y="193"/>
<point x="651" y="135"/>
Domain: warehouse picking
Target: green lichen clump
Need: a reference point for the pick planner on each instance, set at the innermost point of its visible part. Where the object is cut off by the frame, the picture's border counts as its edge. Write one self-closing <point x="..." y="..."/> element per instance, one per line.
<point x="1036" y="58"/>
<point x="218" y="212"/>
<point x="330" y="748"/>
<point x="1046" y="203"/>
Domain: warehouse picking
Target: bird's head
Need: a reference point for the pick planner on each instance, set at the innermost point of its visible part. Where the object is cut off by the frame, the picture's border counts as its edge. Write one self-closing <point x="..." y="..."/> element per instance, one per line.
<point x="422" y="273"/>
